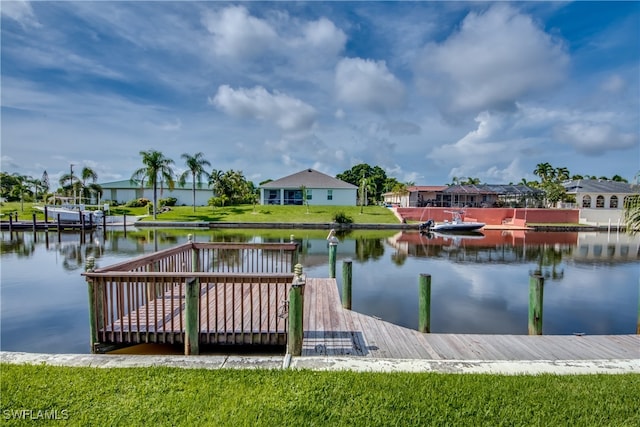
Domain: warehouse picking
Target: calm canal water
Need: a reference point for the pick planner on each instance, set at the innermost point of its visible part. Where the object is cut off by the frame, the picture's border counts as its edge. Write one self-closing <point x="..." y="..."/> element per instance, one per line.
<point x="479" y="282"/>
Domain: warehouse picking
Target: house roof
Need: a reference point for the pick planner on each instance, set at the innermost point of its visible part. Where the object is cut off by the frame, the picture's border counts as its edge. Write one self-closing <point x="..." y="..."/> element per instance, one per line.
<point x="132" y="185"/>
<point x="598" y="186"/>
<point x="310" y="178"/>
<point x="414" y="188"/>
<point x="493" y="189"/>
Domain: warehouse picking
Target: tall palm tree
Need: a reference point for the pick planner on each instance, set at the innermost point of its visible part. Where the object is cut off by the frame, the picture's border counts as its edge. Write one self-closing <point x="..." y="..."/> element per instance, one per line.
<point x="545" y="171"/>
<point x="195" y="168"/>
<point x="87" y="174"/>
<point x="157" y="168"/>
<point x="562" y="174"/>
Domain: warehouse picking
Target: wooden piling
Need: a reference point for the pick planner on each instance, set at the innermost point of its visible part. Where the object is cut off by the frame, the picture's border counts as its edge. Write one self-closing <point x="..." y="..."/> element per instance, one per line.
<point x="638" y="322"/>
<point x="536" y="292"/>
<point x="46" y="215"/>
<point x="34" y="222"/>
<point x="333" y="249"/>
<point x="296" y="310"/>
<point x="424" y="303"/>
<point x="191" y="313"/>
<point x="93" y="329"/>
<point x="10" y="223"/>
<point x="347" y="276"/>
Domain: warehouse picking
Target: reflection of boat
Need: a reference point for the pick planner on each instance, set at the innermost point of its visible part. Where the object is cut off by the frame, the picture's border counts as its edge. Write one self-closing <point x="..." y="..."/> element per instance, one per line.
<point x="69" y="213"/>
<point x="454" y="226"/>
<point x="457" y="235"/>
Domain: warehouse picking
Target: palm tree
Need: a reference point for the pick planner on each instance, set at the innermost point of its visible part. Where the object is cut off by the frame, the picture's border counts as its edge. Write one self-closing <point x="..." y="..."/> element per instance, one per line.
<point x="87" y="174"/>
<point x="632" y="213"/>
<point x="195" y="167"/>
<point x="156" y="166"/>
<point x="545" y="171"/>
<point x="562" y="174"/>
<point x="215" y="182"/>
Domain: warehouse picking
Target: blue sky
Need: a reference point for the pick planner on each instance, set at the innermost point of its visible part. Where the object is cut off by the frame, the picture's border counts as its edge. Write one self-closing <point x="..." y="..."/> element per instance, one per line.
<point x="425" y="90"/>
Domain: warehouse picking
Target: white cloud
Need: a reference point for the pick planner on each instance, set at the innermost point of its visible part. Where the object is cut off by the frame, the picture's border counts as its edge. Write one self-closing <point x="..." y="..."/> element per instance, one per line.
<point x="486" y="152"/>
<point x="289" y="114"/>
<point x="494" y="59"/>
<point x="21" y="12"/>
<point x="238" y="35"/>
<point x="368" y="84"/>
<point x="594" y="138"/>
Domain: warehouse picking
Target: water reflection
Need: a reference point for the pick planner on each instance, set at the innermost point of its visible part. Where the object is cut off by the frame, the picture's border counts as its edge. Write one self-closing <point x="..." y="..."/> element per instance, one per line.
<point x="480" y="282"/>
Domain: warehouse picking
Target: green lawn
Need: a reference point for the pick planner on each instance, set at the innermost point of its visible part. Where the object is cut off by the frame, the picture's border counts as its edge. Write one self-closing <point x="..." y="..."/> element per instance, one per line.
<point x="171" y="396"/>
<point x="242" y="213"/>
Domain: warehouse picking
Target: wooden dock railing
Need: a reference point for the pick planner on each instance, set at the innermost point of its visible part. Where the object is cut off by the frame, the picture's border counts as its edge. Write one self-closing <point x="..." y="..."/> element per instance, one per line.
<point x="239" y="295"/>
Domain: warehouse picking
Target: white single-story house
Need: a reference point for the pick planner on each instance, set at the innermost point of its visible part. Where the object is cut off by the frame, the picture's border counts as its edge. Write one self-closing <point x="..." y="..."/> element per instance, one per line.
<point x="320" y="189"/>
<point x="600" y="201"/>
<point x="124" y="191"/>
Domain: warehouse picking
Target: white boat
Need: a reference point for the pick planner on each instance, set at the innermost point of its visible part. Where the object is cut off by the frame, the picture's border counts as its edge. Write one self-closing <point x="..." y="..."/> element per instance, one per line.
<point x="454" y="226"/>
<point x="69" y="213"/>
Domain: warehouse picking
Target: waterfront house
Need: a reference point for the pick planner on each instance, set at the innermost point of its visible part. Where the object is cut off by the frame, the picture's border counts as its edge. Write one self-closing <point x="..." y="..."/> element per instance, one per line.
<point x="124" y="191"/>
<point x="600" y="202"/>
<point x="320" y="189"/>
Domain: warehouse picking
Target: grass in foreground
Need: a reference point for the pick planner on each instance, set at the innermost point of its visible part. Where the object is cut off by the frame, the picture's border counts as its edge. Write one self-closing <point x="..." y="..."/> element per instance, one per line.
<point x="169" y="396"/>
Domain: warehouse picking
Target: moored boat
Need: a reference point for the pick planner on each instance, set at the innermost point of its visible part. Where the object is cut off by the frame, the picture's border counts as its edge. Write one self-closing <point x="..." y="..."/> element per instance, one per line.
<point x="457" y="224"/>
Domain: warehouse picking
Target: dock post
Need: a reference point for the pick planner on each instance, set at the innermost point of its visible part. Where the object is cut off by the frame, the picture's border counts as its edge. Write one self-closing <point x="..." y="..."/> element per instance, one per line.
<point x="536" y="291"/>
<point x="347" y="275"/>
<point x="124" y="224"/>
<point x="294" y="255"/>
<point x="93" y="324"/>
<point x="333" y="249"/>
<point x="10" y="223"/>
<point x="191" y="314"/>
<point x="296" y="310"/>
<point x="424" y="303"/>
<point x="638" y="322"/>
<point x="59" y="228"/>
<point x="195" y="255"/>
<point x="46" y="215"/>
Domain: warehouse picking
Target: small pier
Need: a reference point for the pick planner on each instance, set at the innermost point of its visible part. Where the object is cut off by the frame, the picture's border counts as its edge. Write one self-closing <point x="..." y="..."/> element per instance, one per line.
<point x="195" y="293"/>
<point x="239" y="294"/>
<point x="331" y="330"/>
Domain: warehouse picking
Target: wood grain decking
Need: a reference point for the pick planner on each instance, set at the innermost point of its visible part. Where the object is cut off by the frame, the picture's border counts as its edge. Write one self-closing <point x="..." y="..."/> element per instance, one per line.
<point x="330" y="330"/>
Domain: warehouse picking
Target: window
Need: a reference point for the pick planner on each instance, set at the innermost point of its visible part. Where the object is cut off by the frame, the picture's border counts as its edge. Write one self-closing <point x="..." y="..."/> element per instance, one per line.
<point x="309" y="194"/>
<point x="600" y="201"/>
<point x="613" y="203"/>
<point x="586" y="201"/>
<point x="329" y="194"/>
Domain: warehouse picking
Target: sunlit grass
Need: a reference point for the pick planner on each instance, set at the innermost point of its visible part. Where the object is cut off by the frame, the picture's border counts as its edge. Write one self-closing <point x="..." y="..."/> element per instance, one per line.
<point x="171" y="396"/>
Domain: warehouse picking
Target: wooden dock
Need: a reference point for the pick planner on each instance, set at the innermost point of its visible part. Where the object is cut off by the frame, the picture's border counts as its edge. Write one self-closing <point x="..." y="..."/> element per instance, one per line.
<point x="330" y="330"/>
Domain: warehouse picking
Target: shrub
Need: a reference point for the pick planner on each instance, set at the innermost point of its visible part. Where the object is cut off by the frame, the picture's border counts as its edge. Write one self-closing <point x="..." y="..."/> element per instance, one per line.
<point x="137" y="203"/>
<point x="169" y="201"/>
<point x="342" y="218"/>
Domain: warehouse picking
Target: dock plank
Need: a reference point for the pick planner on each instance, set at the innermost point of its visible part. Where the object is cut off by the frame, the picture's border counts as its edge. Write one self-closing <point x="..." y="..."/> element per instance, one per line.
<point x="372" y="337"/>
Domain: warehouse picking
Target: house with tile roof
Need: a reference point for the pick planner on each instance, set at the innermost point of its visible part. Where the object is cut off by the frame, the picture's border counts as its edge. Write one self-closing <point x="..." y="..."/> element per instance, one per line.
<point x="600" y="201"/>
<point x="321" y="189"/>
<point x="124" y="191"/>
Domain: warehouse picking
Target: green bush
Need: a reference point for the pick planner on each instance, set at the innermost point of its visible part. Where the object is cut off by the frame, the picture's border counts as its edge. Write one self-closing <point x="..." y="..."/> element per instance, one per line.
<point x="137" y="203"/>
<point x="342" y="218"/>
<point x="169" y="201"/>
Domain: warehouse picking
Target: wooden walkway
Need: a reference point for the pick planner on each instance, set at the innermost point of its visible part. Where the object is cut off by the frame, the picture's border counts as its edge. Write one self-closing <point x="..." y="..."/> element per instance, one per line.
<point x="330" y="330"/>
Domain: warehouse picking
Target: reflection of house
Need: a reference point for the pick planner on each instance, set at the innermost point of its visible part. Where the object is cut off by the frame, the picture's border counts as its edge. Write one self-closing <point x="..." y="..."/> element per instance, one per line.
<point x="123" y="191"/>
<point x="320" y="189"/>
<point x="600" y="202"/>
<point x="467" y="196"/>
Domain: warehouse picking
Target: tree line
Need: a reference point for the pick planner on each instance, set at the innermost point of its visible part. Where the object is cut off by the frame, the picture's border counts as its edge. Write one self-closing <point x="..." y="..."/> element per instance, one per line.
<point x="232" y="188"/>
